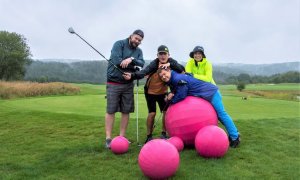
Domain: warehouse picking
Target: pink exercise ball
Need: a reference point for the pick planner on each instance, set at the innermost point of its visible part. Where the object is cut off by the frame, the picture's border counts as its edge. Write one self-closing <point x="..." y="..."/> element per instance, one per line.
<point x="177" y="142"/>
<point x="119" y="145"/>
<point x="185" y="118"/>
<point x="211" y="142"/>
<point x="158" y="159"/>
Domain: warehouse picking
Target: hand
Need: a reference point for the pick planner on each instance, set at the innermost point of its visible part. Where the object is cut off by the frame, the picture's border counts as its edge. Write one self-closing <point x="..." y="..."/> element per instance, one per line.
<point x="169" y="97"/>
<point x="127" y="76"/>
<point x="125" y="62"/>
<point x="164" y="66"/>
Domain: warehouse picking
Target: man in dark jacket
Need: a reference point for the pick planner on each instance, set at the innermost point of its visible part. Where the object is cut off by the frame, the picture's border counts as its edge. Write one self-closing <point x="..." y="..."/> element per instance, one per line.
<point x="183" y="85"/>
<point x="155" y="89"/>
<point x="126" y="55"/>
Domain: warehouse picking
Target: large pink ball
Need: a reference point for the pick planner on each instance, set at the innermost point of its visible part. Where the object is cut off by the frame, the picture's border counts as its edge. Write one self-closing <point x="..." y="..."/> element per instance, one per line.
<point x="211" y="142"/>
<point x="185" y="118"/>
<point x="119" y="145"/>
<point x="177" y="142"/>
<point x="158" y="159"/>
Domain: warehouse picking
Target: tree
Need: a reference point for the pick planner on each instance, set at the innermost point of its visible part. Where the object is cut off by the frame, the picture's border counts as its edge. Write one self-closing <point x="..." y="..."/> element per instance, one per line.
<point x="245" y="78"/>
<point x="240" y="86"/>
<point x="14" y="56"/>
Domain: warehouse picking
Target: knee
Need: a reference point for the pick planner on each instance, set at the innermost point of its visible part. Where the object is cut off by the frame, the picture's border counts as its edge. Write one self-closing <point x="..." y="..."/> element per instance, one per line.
<point x="152" y="114"/>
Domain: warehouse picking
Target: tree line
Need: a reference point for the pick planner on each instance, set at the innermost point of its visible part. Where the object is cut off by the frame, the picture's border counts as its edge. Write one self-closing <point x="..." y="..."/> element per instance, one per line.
<point x="16" y="64"/>
<point x="95" y="72"/>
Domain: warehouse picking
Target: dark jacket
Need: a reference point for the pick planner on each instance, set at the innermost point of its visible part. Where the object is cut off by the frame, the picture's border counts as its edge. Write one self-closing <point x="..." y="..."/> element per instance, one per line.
<point x="120" y="51"/>
<point x="183" y="85"/>
<point x="153" y="67"/>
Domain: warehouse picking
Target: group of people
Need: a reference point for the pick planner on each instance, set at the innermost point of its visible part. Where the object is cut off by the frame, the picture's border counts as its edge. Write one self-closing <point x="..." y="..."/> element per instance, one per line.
<point x="195" y="79"/>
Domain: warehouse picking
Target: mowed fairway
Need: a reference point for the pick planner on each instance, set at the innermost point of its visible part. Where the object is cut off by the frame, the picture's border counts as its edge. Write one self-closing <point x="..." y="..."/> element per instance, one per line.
<point x="62" y="137"/>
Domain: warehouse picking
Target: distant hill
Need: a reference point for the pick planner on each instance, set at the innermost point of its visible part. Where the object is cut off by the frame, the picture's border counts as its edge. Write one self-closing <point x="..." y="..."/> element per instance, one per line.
<point x="228" y="68"/>
<point x="91" y="71"/>
<point x="257" y="69"/>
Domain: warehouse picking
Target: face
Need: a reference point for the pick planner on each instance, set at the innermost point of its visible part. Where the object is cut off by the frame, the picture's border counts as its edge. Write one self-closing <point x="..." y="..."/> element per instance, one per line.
<point x="165" y="75"/>
<point x="135" y="40"/>
<point x="198" y="56"/>
<point x="163" y="57"/>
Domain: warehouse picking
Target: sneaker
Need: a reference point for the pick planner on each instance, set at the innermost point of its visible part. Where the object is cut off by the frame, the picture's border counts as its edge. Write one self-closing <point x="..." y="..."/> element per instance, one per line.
<point x="164" y="135"/>
<point x="234" y="143"/>
<point x="149" y="138"/>
<point x="107" y="143"/>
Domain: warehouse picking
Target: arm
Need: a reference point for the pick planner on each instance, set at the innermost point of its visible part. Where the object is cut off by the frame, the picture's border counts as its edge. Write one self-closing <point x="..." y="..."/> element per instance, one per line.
<point x="116" y="53"/>
<point x="139" y="61"/>
<point x="180" y="93"/>
<point x="174" y="65"/>
<point x="188" y="66"/>
<point x="151" y="68"/>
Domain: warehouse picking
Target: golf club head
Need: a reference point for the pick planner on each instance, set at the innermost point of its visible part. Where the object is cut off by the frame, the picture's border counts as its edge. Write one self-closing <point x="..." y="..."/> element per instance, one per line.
<point x="71" y="30"/>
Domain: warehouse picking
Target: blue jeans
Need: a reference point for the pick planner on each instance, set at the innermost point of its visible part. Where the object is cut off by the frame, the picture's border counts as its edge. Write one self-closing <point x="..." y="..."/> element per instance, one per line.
<point x="223" y="117"/>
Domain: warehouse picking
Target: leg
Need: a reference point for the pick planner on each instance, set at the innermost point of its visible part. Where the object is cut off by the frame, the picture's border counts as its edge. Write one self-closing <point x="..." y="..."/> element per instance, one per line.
<point x="163" y="106"/>
<point x="126" y="106"/>
<point x="151" y="104"/>
<point x="224" y="117"/>
<point x="109" y="123"/>
<point x="112" y="107"/>
<point x="124" y="124"/>
<point x="150" y="122"/>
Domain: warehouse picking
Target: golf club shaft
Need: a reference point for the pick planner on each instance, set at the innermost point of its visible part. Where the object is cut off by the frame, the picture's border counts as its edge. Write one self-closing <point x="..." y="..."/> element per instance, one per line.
<point x="161" y="113"/>
<point x="99" y="53"/>
<point x="137" y="112"/>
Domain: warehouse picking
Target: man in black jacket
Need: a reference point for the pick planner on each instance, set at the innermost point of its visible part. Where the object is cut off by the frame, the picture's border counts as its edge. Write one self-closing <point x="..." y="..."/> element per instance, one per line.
<point x="125" y="54"/>
<point x="155" y="88"/>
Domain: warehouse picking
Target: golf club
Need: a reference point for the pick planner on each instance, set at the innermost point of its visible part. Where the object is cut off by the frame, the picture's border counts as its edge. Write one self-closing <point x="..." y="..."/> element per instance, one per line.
<point x="161" y="113"/>
<point x="71" y="30"/>
<point x="138" y="68"/>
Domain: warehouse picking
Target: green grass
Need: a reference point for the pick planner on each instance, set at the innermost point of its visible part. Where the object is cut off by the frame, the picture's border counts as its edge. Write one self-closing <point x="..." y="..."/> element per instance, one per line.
<point x="273" y="87"/>
<point x="62" y="137"/>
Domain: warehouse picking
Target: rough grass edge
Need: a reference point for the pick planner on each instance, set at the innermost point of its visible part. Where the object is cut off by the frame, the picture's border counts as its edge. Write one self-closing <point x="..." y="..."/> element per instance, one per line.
<point x="19" y="89"/>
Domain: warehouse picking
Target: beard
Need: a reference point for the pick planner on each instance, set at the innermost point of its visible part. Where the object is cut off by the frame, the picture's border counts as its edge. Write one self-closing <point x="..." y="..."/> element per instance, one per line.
<point x="133" y="44"/>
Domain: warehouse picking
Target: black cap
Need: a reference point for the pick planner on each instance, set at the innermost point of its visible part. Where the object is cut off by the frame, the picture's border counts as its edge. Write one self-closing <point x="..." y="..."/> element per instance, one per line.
<point x="197" y="49"/>
<point x="139" y="32"/>
<point x="163" y="48"/>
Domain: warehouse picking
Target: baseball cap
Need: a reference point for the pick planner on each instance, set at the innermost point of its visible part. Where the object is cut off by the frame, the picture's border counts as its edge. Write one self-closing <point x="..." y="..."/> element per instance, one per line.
<point x="163" y="48"/>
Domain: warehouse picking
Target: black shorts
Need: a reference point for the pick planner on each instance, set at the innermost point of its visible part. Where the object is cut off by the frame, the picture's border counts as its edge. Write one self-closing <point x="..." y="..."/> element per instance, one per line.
<point x="151" y="102"/>
<point x="120" y="98"/>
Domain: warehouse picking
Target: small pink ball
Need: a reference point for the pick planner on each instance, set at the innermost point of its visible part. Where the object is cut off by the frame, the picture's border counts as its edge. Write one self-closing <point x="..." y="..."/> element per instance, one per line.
<point x="119" y="145"/>
<point x="177" y="142"/>
<point x="211" y="142"/>
<point x="158" y="159"/>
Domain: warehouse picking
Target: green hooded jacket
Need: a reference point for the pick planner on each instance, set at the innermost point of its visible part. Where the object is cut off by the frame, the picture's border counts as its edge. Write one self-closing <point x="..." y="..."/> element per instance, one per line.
<point x="200" y="70"/>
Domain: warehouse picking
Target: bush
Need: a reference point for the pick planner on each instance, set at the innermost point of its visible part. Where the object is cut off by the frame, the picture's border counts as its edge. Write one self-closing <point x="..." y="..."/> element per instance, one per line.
<point x="240" y="86"/>
<point x="27" y="89"/>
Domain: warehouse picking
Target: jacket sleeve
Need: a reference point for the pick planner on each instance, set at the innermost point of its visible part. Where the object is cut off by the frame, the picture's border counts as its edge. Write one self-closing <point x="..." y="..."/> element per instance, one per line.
<point x="208" y="74"/>
<point x="174" y="65"/>
<point x="151" y="68"/>
<point x="180" y="93"/>
<point x="189" y="66"/>
<point x="116" y="53"/>
<point x="139" y="61"/>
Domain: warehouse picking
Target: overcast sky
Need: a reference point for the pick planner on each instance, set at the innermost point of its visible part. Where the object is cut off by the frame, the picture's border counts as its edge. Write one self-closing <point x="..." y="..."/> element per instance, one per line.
<point x="231" y="31"/>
